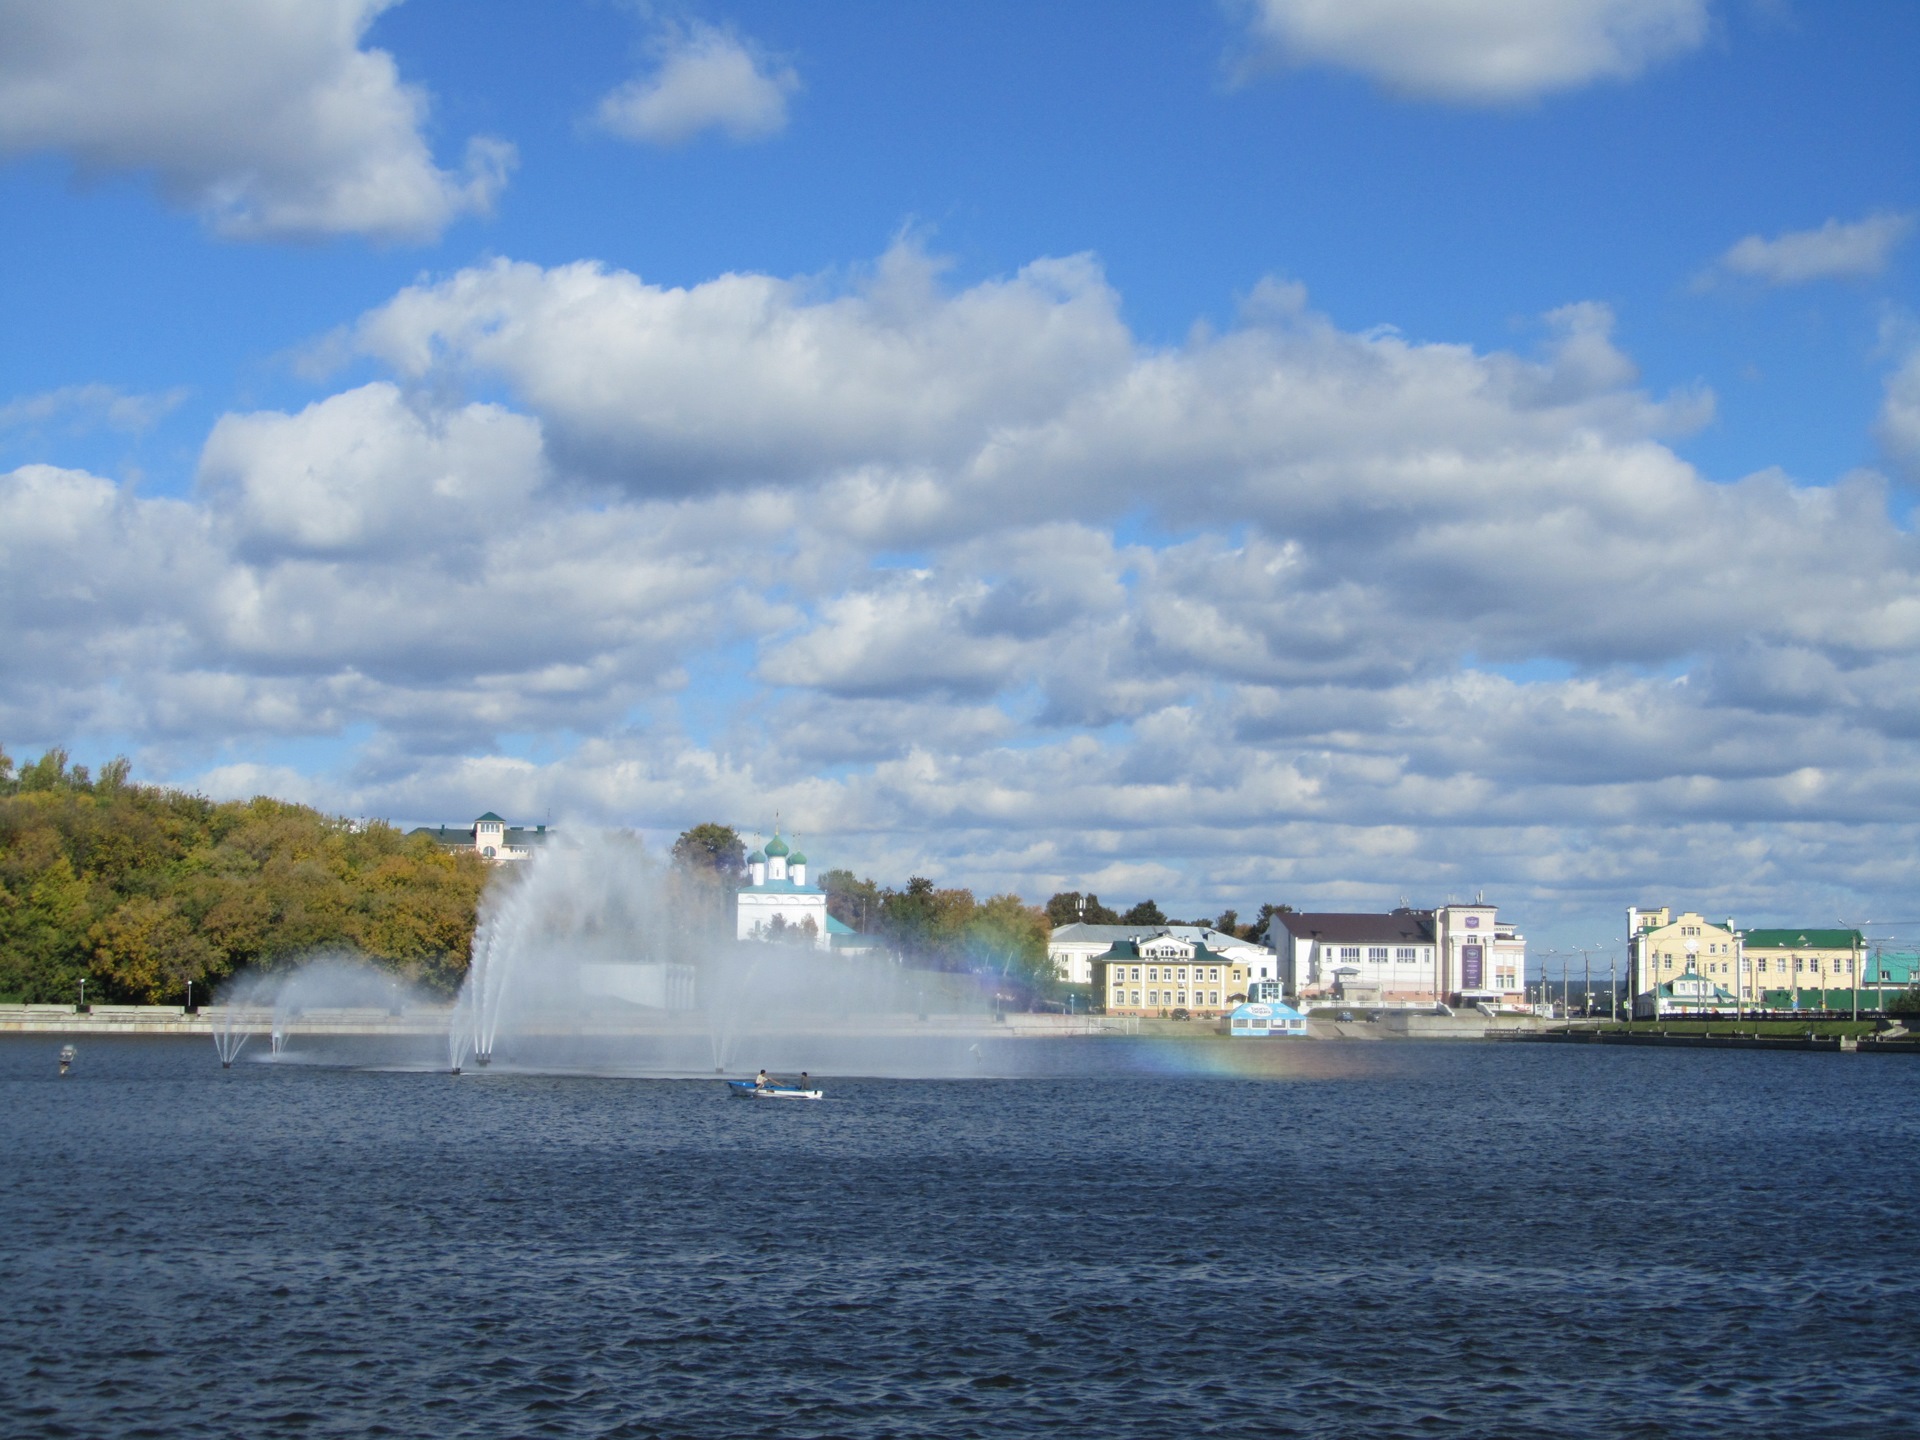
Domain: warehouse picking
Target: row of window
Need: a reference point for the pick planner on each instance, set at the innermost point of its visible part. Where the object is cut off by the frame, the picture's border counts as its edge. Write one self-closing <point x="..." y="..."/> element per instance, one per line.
<point x="1378" y="954"/>
<point x="1840" y="965"/>
<point x="1169" y="997"/>
<point x="1200" y="972"/>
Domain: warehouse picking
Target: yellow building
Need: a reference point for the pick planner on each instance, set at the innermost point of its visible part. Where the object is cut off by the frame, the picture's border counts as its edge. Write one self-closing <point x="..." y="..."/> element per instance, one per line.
<point x="1663" y="947"/>
<point x="1792" y="969"/>
<point x="1161" y="975"/>
<point x="1758" y="969"/>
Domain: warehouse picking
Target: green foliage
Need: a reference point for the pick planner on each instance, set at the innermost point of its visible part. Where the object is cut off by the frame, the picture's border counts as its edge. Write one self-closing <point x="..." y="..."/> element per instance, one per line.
<point x="1069" y="907"/>
<point x="141" y="889"/>
<point x="714" y="849"/>
<point x="1145" y="913"/>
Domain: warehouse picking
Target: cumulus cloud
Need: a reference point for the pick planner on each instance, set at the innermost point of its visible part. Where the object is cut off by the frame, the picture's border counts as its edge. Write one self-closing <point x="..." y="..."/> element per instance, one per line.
<point x="754" y="379"/>
<point x="1481" y="52"/>
<point x="705" y="78"/>
<point x="266" y="117"/>
<point x="1849" y="250"/>
<point x="1899" y="427"/>
<point x="882" y="554"/>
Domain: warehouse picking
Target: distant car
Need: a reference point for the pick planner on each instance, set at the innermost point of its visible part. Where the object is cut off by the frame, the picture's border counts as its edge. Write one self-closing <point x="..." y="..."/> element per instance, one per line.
<point x="1180" y="1014"/>
<point x="1345" y="1015"/>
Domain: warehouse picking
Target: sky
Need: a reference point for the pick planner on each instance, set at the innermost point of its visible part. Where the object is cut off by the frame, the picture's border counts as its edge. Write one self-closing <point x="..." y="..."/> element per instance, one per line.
<point x="1232" y="451"/>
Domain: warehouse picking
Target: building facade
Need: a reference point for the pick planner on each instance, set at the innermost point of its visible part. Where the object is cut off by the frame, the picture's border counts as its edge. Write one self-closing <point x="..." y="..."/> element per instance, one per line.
<point x="1164" y="974"/>
<point x="490" y="837"/>
<point x="1762" y="968"/>
<point x="1455" y="954"/>
<point x="1794" y="969"/>
<point x="1074" y="948"/>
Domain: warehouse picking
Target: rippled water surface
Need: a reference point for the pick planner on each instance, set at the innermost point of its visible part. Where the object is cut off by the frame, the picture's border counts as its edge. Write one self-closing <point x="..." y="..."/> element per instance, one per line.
<point x="1365" y="1239"/>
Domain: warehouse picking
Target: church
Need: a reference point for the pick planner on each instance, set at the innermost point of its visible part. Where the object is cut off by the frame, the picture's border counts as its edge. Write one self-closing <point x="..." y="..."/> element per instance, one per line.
<point x="779" y="904"/>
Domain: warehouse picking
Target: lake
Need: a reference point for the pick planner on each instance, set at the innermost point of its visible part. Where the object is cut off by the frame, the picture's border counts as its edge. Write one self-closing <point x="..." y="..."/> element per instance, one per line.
<point x="1173" y="1239"/>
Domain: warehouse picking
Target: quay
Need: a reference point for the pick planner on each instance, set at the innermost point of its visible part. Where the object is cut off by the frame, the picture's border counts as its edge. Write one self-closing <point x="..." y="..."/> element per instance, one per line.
<point x="1893" y="1041"/>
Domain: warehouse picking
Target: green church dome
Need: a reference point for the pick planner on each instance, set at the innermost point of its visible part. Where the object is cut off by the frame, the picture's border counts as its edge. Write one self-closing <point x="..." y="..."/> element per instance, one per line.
<point x="776" y="846"/>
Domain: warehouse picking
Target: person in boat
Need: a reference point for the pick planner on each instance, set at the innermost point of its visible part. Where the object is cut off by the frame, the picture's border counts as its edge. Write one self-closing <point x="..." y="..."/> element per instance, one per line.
<point x="762" y="1081"/>
<point x="805" y="1083"/>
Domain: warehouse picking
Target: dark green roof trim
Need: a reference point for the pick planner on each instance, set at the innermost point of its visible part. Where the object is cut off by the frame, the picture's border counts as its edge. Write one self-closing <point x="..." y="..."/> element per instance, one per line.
<point x="1804" y="939"/>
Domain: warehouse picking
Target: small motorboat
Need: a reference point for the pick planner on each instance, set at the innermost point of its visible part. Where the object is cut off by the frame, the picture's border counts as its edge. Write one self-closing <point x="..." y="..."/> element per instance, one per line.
<point x="777" y="1090"/>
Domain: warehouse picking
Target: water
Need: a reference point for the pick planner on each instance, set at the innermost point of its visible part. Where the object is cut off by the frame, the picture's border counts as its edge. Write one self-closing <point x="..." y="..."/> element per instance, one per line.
<point x="1363" y="1240"/>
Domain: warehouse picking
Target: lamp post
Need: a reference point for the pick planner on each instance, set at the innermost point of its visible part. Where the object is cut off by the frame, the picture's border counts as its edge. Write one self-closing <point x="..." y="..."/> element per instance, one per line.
<point x="83" y="994"/>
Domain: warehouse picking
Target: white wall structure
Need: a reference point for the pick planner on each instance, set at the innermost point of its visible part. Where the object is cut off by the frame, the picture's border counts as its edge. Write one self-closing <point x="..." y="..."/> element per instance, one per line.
<point x="779" y="902"/>
<point x="1458" y="954"/>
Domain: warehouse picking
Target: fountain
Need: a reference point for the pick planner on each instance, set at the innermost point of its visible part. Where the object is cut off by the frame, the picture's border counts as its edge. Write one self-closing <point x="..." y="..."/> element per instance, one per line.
<point x="591" y="956"/>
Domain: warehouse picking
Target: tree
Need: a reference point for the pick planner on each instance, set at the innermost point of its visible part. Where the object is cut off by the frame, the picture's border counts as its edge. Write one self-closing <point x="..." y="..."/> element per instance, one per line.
<point x="1145" y="913"/>
<point x="1265" y="918"/>
<point x="1228" y="923"/>
<point x="851" y="901"/>
<point x="1070" y="906"/>
<point x="714" y="849"/>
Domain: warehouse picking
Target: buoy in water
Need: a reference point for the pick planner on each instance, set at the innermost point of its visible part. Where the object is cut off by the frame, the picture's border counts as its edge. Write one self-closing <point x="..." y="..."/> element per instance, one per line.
<point x="67" y="1054"/>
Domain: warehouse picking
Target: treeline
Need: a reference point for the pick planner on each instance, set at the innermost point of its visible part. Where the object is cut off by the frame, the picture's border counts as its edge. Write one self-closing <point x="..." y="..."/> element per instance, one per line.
<point x="1002" y="937"/>
<point x="140" y="889"/>
<point x="1068" y="907"/>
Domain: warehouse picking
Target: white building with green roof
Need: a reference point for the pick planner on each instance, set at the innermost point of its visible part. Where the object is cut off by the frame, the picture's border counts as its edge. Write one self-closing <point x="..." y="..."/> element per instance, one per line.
<point x="778" y="904"/>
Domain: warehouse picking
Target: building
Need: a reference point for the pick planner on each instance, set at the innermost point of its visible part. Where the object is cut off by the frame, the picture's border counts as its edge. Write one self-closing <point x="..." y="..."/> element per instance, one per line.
<point x="1817" y="969"/>
<point x="1456" y="954"/>
<point x="1663" y="948"/>
<point x="1163" y="974"/>
<point x="1074" y="948"/>
<point x="778" y="904"/>
<point x="491" y="837"/>
<point x="1263" y="1019"/>
<point x="1762" y="968"/>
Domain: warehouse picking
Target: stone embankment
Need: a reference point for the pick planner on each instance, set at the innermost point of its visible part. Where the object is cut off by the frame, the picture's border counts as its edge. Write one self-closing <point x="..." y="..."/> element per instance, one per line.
<point x="437" y="1020"/>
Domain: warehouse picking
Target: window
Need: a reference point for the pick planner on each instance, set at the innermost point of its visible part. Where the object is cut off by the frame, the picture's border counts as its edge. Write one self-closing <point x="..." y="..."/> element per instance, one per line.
<point x="1136" y="972"/>
<point x="1136" y="997"/>
<point x="1350" y="952"/>
<point x="1183" y="998"/>
<point x="1213" y="997"/>
<point x="1153" y="973"/>
<point x="1153" y="997"/>
<point x="1183" y="975"/>
<point x="1404" y="955"/>
<point x="1376" y="954"/>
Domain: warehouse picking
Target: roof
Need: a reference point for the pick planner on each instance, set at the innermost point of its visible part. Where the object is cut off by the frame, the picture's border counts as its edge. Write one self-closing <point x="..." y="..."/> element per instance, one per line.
<point x="776" y="846"/>
<point x="498" y="820"/>
<point x="1814" y="939"/>
<point x="1396" y="927"/>
<point x="839" y="927"/>
<point x="1079" y="932"/>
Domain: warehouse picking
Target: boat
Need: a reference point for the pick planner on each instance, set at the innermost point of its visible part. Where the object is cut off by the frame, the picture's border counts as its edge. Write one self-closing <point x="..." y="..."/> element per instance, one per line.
<point x="747" y="1090"/>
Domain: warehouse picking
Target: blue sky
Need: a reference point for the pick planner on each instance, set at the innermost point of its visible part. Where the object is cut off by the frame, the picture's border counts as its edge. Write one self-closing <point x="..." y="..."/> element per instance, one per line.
<point x="1210" y="450"/>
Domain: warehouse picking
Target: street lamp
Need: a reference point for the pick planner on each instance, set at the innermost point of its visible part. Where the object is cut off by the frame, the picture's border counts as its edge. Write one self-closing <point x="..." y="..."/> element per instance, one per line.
<point x="83" y="992"/>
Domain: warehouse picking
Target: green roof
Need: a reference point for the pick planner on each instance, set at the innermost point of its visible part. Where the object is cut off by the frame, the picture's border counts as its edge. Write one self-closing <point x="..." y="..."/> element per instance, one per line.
<point x="776" y="846"/>
<point x="490" y="816"/>
<point x="1803" y="939"/>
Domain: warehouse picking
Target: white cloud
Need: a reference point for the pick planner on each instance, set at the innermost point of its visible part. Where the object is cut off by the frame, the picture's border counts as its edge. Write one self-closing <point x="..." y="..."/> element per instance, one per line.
<point x="753" y="379"/>
<point x="1853" y="250"/>
<point x="263" y="116"/>
<point x="1437" y="617"/>
<point x="80" y="406"/>
<point x="364" y="471"/>
<point x="1899" y="427"/>
<point x="705" y="79"/>
<point x="1481" y="52"/>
